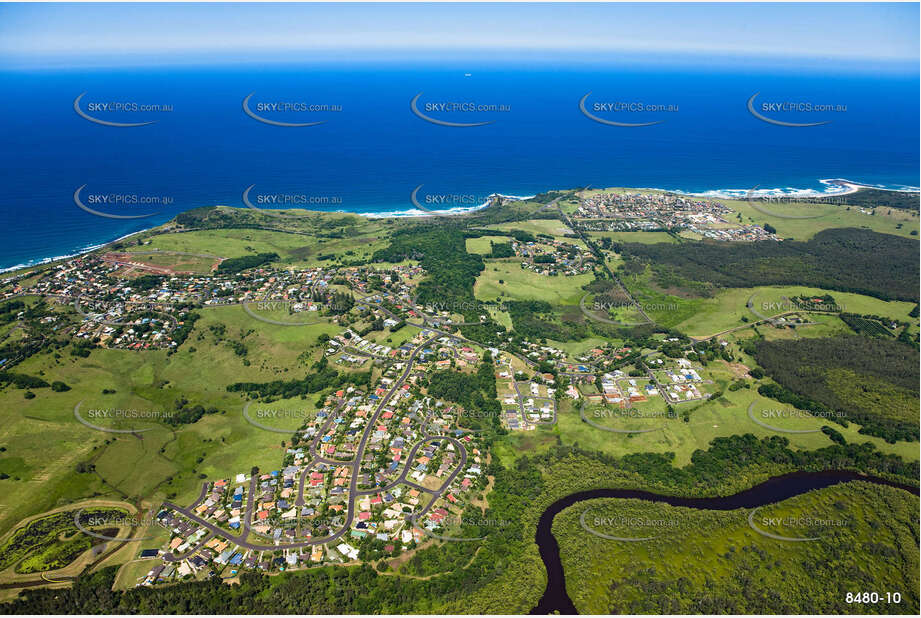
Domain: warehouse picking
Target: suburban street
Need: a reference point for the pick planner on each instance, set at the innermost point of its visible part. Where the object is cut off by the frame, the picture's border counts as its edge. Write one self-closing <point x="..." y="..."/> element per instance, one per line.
<point x="354" y="492"/>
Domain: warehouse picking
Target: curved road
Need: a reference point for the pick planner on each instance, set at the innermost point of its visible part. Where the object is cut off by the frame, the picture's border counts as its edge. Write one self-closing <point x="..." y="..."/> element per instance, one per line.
<point x="354" y="493"/>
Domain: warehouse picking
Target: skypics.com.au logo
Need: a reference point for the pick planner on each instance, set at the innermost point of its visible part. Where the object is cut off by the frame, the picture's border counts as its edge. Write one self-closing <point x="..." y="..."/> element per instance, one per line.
<point x="259" y="416"/>
<point x="616" y="113"/>
<point x="626" y="528"/>
<point x="118" y="204"/>
<point x="129" y="415"/>
<point x="292" y="313"/>
<point x="268" y="202"/>
<point x="438" y="112"/>
<point x="449" y="203"/>
<point x="773" y="111"/>
<point x="282" y="112"/>
<point x="113" y="113"/>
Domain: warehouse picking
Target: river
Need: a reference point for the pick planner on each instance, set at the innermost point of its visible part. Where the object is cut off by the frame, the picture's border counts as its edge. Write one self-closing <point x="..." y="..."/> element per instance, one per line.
<point x="776" y="489"/>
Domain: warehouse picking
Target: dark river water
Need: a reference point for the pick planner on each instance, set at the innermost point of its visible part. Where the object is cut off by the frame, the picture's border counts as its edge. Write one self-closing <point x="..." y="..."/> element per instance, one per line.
<point x="776" y="489"/>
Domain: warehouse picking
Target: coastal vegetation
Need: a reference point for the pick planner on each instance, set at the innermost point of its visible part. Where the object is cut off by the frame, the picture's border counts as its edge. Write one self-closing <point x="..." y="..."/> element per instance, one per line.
<point x="849" y="260"/>
<point x="235" y="265"/>
<point x="869" y="381"/>
<point x="713" y="562"/>
<point x="710" y="447"/>
<point x="505" y="574"/>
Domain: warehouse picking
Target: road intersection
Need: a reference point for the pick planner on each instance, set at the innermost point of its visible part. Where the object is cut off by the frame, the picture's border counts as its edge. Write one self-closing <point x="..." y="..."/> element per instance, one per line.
<point x="354" y="493"/>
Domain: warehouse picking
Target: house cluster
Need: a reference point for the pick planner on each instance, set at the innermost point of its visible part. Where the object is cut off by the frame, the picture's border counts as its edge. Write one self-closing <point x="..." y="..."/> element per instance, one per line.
<point x="679" y="383"/>
<point x="538" y="352"/>
<point x="676" y="380"/>
<point x="445" y="510"/>
<point x="11" y="284"/>
<point x="444" y="318"/>
<point x="744" y="233"/>
<point x="668" y="209"/>
<point x="92" y="277"/>
<point x="117" y="328"/>
<point x="142" y="313"/>
<point x="395" y="281"/>
<point x="638" y="212"/>
<point x="619" y="389"/>
<point x="129" y="312"/>
<point x="412" y="471"/>
<point x="352" y="346"/>
<point x="296" y="291"/>
<point x="551" y="257"/>
<point x="579" y="366"/>
<point x="595" y="374"/>
<point x="527" y="405"/>
<point x="599" y="359"/>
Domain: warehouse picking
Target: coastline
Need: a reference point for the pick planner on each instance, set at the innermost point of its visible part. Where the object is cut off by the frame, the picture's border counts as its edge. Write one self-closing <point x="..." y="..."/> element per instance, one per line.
<point x="833" y="187"/>
<point x="84" y="251"/>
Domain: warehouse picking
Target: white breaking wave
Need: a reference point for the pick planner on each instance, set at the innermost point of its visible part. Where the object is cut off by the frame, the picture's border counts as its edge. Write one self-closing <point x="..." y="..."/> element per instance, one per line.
<point x="833" y="187"/>
<point x="457" y="210"/>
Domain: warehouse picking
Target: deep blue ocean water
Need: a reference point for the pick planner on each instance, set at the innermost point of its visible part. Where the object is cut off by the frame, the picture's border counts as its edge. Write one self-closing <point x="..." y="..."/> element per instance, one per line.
<point x="369" y="156"/>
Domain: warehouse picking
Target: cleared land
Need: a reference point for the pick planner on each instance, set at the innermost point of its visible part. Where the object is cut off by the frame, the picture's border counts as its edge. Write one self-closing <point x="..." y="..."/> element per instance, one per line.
<point x="508" y="280"/>
<point x="483" y="244"/>
<point x="45" y="442"/>
<point x="725" y="416"/>
<point x="293" y="248"/>
<point x="885" y="220"/>
<point x="702" y="317"/>
<point x="553" y="227"/>
<point x="643" y="237"/>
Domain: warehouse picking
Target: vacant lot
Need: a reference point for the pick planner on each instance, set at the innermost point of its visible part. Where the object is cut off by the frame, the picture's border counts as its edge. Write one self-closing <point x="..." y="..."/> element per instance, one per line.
<point x="506" y="279"/>
<point x="553" y="227"/>
<point x="483" y="244"/>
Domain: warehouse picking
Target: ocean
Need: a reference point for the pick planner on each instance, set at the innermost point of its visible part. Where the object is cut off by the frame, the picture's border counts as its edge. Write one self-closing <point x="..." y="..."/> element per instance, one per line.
<point x="370" y="151"/>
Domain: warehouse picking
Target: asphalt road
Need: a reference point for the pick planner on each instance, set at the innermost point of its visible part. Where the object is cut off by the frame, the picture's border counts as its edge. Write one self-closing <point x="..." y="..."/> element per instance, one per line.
<point x="354" y="493"/>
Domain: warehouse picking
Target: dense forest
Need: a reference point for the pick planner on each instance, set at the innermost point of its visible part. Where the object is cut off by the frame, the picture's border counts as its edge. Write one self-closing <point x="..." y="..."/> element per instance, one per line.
<point x="235" y="265"/>
<point x="869" y="381"/>
<point x="501" y="250"/>
<point x="21" y="380"/>
<point x="442" y="251"/>
<point x="878" y="198"/>
<point x="451" y="273"/>
<point x="708" y="561"/>
<point x="849" y="260"/>
<point x="186" y="414"/>
<point x="519" y="235"/>
<point x="9" y="311"/>
<point x="537" y="320"/>
<point x="475" y="392"/>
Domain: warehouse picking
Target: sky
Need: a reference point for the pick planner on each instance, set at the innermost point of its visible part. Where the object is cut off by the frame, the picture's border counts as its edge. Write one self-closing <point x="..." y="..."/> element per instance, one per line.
<point x="124" y="33"/>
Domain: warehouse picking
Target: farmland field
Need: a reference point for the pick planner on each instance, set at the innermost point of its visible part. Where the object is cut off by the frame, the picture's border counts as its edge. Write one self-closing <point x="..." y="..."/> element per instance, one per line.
<point x="725" y="416"/>
<point x="507" y="280"/>
<point x="45" y="443"/>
